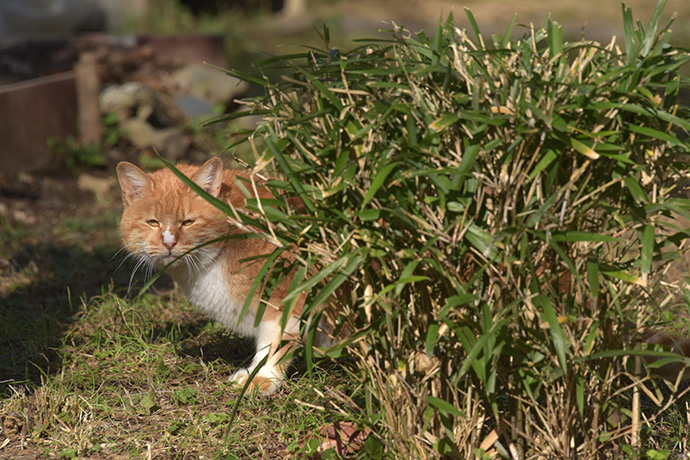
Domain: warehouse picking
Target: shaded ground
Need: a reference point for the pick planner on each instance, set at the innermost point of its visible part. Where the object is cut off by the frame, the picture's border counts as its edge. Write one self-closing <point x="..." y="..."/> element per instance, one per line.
<point x="57" y="246"/>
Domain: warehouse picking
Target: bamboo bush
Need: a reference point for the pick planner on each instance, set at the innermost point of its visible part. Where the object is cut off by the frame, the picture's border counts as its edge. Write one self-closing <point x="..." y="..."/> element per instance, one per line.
<point x="487" y="217"/>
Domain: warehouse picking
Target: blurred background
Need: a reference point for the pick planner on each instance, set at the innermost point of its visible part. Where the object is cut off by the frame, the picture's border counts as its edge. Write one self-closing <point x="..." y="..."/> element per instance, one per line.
<point x="77" y="73"/>
<point x="85" y="84"/>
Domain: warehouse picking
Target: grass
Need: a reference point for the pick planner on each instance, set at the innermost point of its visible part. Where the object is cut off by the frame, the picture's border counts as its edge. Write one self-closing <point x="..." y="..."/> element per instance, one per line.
<point x="45" y="270"/>
<point x="152" y="377"/>
<point x="90" y="372"/>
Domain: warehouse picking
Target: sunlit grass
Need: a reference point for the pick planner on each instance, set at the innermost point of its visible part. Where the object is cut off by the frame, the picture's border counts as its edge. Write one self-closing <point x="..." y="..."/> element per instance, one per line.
<point x="151" y="377"/>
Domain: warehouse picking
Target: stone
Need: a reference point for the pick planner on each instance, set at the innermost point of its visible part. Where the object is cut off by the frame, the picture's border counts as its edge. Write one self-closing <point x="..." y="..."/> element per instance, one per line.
<point x="207" y="83"/>
<point x="172" y="143"/>
<point x="139" y="132"/>
<point x="99" y="186"/>
<point x="195" y="107"/>
<point x="137" y="100"/>
<point x="131" y="99"/>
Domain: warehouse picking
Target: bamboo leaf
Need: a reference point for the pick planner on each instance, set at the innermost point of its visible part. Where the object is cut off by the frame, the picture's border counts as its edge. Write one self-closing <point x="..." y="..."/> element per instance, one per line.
<point x="593" y="278"/>
<point x="323" y="89"/>
<point x="584" y="149"/>
<point x="482" y="240"/>
<point x="221" y="205"/>
<point x="444" y="406"/>
<point x="651" y="34"/>
<point x="509" y="32"/>
<point x="647" y="253"/>
<point x="444" y="121"/>
<point x="622" y="275"/>
<point x="636" y="190"/>
<point x="473" y="24"/>
<point x="655" y="134"/>
<point x="431" y="338"/>
<point x="378" y="182"/>
<point x="629" y="34"/>
<point x="555" y="39"/>
<point x="559" y="340"/>
<point x="548" y="158"/>
<point x="271" y="142"/>
<point x="254" y="290"/>
<point x="572" y="236"/>
<point x="338" y="278"/>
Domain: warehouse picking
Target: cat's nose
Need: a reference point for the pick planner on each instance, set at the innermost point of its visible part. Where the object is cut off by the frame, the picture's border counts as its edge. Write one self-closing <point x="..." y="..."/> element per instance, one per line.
<point x="169" y="240"/>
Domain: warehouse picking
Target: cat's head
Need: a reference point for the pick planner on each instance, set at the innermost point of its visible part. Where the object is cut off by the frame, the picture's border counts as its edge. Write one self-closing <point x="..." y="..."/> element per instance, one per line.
<point x="164" y="219"/>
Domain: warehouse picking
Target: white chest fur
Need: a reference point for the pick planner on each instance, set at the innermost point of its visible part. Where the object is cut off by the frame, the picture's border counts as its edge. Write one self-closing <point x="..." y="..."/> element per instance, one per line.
<point x="208" y="290"/>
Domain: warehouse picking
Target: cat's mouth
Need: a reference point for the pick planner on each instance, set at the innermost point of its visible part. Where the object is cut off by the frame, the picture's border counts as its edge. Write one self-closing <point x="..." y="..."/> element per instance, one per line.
<point x="165" y="259"/>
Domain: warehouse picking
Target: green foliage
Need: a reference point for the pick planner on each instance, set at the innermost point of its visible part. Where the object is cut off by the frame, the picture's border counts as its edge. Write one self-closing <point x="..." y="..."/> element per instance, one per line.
<point x="78" y="156"/>
<point x="185" y="395"/>
<point x="111" y="130"/>
<point x="496" y="211"/>
<point x="75" y="155"/>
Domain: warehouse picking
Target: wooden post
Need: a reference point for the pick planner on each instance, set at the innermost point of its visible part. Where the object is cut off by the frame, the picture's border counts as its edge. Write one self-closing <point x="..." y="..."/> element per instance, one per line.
<point x="294" y="8"/>
<point x="88" y="90"/>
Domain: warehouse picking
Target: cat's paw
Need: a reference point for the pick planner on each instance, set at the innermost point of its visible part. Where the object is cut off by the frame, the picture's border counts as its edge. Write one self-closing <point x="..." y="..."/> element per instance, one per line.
<point x="240" y="377"/>
<point x="262" y="384"/>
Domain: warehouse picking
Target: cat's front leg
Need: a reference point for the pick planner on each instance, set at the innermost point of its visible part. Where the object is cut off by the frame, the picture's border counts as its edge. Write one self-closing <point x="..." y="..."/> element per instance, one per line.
<point x="272" y="344"/>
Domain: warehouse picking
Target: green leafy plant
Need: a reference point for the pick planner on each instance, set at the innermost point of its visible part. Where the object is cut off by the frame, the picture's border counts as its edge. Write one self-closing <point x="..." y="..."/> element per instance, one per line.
<point x="497" y="212"/>
<point x="75" y="155"/>
<point x="79" y="156"/>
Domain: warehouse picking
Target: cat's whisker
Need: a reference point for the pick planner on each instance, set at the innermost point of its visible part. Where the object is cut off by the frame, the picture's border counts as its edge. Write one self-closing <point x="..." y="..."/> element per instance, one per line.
<point x="140" y="261"/>
<point x="203" y="254"/>
<point x="189" y="260"/>
<point x="124" y="259"/>
<point x="120" y="251"/>
<point x="194" y="262"/>
<point x="150" y="267"/>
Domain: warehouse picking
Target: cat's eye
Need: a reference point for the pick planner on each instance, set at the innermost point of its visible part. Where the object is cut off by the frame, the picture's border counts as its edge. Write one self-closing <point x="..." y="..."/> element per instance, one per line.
<point x="187" y="222"/>
<point x="153" y="223"/>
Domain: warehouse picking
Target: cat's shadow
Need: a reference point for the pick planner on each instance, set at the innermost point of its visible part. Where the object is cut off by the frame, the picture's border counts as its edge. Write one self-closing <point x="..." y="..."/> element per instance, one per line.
<point x="194" y="341"/>
<point x="222" y="345"/>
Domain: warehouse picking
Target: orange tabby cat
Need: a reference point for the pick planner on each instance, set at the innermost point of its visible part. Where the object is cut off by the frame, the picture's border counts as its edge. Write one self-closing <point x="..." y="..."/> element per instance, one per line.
<point x="163" y="219"/>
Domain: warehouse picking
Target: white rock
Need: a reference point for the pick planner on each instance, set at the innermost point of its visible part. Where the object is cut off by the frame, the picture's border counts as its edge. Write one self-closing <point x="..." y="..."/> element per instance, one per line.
<point x="209" y="84"/>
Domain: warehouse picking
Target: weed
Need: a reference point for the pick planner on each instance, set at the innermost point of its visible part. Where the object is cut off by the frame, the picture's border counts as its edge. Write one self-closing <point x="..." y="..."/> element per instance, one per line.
<point x="75" y="155"/>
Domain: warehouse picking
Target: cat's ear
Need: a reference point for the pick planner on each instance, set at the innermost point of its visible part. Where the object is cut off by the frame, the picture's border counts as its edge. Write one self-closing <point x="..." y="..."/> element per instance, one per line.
<point x="133" y="181"/>
<point x="210" y="176"/>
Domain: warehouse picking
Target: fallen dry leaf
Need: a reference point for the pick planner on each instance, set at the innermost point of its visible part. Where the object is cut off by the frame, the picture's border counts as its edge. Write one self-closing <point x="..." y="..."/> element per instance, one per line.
<point x="343" y="437"/>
